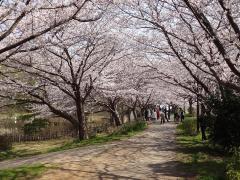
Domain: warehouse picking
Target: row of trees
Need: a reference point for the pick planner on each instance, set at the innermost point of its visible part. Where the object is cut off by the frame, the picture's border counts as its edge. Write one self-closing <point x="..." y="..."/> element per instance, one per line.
<point x="198" y="43"/>
<point x="61" y="57"/>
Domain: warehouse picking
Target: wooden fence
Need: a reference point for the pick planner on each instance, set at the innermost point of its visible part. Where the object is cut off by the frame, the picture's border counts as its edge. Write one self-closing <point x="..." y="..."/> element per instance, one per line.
<point x="47" y="135"/>
<point x="41" y="137"/>
<point x="52" y="132"/>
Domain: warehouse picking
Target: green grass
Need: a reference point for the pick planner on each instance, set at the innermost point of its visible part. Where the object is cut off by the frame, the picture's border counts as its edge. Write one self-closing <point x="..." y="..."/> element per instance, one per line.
<point x="22" y="173"/>
<point x="198" y="158"/>
<point x="42" y="147"/>
<point x="189" y="126"/>
<point x="32" y="148"/>
<point x="125" y="131"/>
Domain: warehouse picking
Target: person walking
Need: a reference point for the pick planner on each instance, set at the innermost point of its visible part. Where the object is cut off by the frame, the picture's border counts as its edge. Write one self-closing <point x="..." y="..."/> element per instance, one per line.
<point x="165" y="113"/>
<point x="181" y="115"/>
<point x="162" y="117"/>
<point x="158" y="113"/>
<point x="154" y="115"/>
<point x="176" y="115"/>
<point x="149" y="114"/>
<point x="203" y="124"/>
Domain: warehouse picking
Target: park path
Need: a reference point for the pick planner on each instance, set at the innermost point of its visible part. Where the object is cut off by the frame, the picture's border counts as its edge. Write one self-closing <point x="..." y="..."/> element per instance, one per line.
<point x="149" y="155"/>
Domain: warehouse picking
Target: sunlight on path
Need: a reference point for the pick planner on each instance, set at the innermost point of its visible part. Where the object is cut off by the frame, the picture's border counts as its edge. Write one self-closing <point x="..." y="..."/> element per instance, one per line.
<point x="147" y="156"/>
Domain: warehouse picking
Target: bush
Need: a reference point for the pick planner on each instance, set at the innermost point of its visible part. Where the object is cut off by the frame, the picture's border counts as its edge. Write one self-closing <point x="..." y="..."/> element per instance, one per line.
<point x="189" y="126"/>
<point x="35" y="127"/>
<point x="188" y="115"/>
<point x="132" y="127"/>
<point x="224" y="120"/>
<point x="25" y="117"/>
<point x="5" y="143"/>
<point x="233" y="167"/>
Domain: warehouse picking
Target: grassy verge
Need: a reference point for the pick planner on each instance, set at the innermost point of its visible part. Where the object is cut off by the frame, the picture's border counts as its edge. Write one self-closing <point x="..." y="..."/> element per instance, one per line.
<point x="42" y="147"/>
<point x="22" y="173"/>
<point x="196" y="157"/>
<point x="32" y="148"/>
<point x="125" y="131"/>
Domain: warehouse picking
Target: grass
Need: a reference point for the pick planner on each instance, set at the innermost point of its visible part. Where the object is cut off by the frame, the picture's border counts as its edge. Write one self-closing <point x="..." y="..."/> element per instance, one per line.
<point x="42" y="147"/>
<point x="22" y="173"/>
<point x="32" y="148"/>
<point x="125" y="131"/>
<point x="188" y="126"/>
<point x="198" y="158"/>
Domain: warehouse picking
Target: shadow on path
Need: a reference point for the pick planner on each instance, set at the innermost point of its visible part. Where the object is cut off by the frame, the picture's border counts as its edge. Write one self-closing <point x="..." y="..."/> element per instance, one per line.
<point x="150" y="155"/>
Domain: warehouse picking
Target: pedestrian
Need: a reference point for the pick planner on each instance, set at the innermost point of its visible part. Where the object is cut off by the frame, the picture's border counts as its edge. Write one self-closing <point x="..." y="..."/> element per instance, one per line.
<point x="162" y="117"/>
<point x="169" y="112"/>
<point x="149" y="114"/>
<point x="154" y="115"/>
<point x="181" y="115"/>
<point x="176" y="116"/>
<point x="165" y="113"/>
<point x="158" y="113"/>
<point x="203" y="124"/>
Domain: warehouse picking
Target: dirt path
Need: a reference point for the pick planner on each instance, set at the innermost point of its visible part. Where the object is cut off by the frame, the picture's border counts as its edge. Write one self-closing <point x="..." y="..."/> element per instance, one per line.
<point x="150" y="155"/>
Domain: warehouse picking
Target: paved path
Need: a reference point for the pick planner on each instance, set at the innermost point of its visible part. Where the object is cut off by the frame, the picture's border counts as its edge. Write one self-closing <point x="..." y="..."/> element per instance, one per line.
<point x="149" y="155"/>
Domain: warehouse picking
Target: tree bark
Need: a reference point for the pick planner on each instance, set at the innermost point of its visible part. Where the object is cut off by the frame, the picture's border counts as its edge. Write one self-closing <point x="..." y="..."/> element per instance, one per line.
<point x="134" y="114"/>
<point x="81" y="120"/>
<point x="129" y="115"/>
<point x="190" y="106"/>
<point x="116" y="118"/>
<point x="111" y="119"/>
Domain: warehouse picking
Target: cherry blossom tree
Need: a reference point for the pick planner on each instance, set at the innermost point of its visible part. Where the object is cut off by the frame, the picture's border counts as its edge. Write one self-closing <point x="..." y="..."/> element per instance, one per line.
<point x="113" y="87"/>
<point x="203" y="37"/>
<point x="24" y="21"/>
<point x="60" y="56"/>
<point x="60" y="77"/>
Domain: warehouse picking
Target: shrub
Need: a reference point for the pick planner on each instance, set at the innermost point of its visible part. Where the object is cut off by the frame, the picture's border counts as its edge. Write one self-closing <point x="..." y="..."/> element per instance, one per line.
<point x="188" y="115"/>
<point x="35" y="126"/>
<point x="132" y="127"/>
<point x="233" y="167"/>
<point x="5" y="143"/>
<point x="25" y="117"/>
<point x="224" y="120"/>
<point x="188" y="126"/>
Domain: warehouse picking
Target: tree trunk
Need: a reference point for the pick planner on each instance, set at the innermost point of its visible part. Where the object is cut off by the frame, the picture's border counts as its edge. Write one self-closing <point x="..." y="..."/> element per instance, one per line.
<point x="81" y="120"/>
<point x="116" y="118"/>
<point x="122" y="118"/>
<point x="129" y="115"/>
<point x="190" y="106"/>
<point x="111" y="119"/>
<point x="143" y="113"/>
<point x="134" y="114"/>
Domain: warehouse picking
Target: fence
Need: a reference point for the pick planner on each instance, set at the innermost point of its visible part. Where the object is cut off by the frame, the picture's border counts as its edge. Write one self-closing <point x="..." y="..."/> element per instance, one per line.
<point x="41" y="137"/>
<point x="59" y="131"/>
<point x="93" y="129"/>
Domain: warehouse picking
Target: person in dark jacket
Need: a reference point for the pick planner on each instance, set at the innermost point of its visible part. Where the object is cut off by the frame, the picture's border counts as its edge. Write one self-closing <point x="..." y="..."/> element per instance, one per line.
<point x="181" y="115"/>
<point x="165" y="113"/>
<point x="203" y="124"/>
